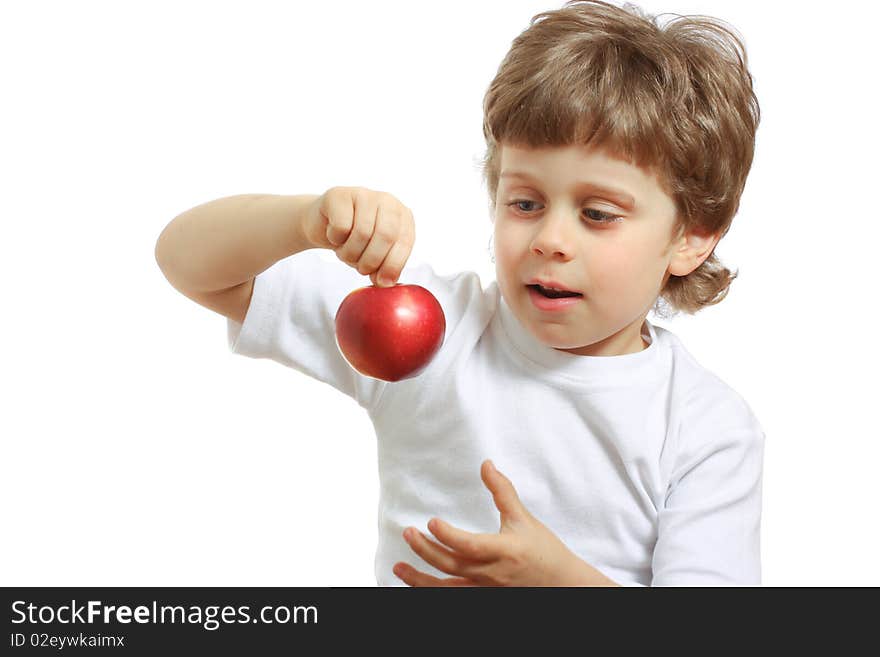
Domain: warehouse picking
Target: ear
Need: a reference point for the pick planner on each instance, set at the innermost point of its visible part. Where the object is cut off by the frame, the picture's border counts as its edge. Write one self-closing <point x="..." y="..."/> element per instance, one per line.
<point x="690" y="251"/>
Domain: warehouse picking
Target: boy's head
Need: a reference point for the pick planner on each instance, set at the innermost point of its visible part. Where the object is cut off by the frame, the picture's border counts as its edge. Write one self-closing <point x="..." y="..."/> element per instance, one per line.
<point x="594" y="94"/>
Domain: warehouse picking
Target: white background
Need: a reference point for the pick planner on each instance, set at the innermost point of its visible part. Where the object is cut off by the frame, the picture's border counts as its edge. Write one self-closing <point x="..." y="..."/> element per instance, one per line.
<point x="137" y="450"/>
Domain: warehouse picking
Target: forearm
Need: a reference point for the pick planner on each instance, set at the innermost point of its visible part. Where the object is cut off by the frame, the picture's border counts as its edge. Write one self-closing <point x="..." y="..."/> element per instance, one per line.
<point x="225" y="242"/>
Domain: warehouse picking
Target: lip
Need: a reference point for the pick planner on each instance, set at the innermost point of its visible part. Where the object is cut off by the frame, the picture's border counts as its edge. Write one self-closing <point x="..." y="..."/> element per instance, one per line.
<point x="547" y="282"/>
<point x="551" y="305"/>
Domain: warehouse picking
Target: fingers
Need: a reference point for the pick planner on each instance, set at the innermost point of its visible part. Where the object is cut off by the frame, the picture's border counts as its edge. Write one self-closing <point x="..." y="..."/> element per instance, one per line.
<point x="477" y="547"/>
<point x="386" y="230"/>
<point x="386" y="271"/>
<point x="337" y="208"/>
<point x="437" y="555"/>
<point x="503" y="493"/>
<point x="362" y="221"/>
<point x="414" y="577"/>
<point x="371" y="231"/>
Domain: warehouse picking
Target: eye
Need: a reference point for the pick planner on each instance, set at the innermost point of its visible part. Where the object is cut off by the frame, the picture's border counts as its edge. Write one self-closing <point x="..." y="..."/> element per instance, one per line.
<point x="596" y="216"/>
<point x="604" y="217"/>
<point x="517" y="203"/>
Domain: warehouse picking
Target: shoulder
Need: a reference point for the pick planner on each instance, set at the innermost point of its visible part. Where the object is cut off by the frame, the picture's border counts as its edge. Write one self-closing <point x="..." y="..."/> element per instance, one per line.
<point x="716" y="417"/>
<point x="712" y="416"/>
<point x="701" y="392"/>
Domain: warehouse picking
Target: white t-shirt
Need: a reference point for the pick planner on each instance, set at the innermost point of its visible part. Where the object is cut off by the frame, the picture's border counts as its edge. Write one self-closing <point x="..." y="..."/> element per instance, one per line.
<point x="646" y="465"/>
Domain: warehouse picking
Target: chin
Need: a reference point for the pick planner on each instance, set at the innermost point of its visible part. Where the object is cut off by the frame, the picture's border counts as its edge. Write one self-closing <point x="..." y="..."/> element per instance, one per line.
<point x="568" y="346"/>
<point x="547" y="338"/>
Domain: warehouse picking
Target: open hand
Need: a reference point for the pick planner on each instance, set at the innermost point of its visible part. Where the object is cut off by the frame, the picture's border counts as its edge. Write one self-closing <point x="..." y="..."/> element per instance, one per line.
<point x="523" y="553"/>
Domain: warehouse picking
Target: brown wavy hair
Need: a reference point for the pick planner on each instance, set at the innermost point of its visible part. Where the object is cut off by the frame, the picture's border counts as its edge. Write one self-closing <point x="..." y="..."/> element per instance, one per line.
<point x="676" y="100"/>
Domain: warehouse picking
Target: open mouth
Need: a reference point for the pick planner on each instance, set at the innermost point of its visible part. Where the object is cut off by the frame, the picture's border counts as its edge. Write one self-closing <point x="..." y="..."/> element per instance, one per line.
<point x="550" y="293"/>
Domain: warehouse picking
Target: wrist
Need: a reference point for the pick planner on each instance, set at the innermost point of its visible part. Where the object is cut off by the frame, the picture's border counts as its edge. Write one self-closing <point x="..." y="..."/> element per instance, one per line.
<point x="297" y="210"/>
<point x="580" y="573"/>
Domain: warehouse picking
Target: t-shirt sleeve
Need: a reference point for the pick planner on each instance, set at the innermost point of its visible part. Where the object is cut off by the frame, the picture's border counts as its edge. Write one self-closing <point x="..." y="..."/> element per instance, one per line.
<point x="709" y="529"/>
<point x="292" y="313"/>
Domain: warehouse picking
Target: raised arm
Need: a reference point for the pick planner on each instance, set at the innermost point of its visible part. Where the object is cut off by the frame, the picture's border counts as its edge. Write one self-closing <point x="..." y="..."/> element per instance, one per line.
<point x="212" y="252"/>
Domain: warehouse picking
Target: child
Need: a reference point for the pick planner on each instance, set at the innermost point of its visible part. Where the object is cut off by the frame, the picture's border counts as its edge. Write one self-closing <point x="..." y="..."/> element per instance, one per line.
<point x="617" y="154"/>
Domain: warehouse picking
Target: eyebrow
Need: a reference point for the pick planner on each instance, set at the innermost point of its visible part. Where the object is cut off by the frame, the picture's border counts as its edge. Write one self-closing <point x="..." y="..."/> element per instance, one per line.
<point x="615" y="194"/>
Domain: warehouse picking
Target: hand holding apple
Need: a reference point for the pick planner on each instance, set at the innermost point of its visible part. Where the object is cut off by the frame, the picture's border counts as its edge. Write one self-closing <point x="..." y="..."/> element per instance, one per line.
<point x="370" y="231"/>
<point x="386" y="331"/>
<point x="390" y="333"/>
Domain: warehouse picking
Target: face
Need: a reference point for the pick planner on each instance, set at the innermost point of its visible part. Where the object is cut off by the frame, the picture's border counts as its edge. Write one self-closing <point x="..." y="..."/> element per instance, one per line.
<point x="594" y="224"/>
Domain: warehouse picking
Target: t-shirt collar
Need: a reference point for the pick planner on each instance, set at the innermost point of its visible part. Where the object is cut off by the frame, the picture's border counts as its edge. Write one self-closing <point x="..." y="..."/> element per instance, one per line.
<point x="602" y="371"/>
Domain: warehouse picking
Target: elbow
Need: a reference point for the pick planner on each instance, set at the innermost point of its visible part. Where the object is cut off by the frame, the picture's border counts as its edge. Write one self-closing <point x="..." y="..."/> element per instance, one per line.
<point x="159" y="251"/>
<point x="162" y="252"/>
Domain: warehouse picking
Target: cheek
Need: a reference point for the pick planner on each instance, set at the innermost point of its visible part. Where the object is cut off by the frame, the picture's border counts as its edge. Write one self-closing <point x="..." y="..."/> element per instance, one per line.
<point x="611" y="265"/>
<point x="622" y="270"/>
<point x="506" y="248"/>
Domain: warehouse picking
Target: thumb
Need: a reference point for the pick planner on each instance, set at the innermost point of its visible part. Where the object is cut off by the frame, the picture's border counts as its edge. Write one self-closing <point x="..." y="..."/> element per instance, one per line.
<point x="506" y="499"/>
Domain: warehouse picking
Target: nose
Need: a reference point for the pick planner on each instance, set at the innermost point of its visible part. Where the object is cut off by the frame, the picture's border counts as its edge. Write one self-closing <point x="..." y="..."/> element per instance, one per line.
<point x="552" y="239"/>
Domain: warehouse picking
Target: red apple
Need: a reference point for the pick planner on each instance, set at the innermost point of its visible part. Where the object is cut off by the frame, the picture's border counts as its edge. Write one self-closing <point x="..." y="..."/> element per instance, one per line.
<point x="390" y="333"/>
